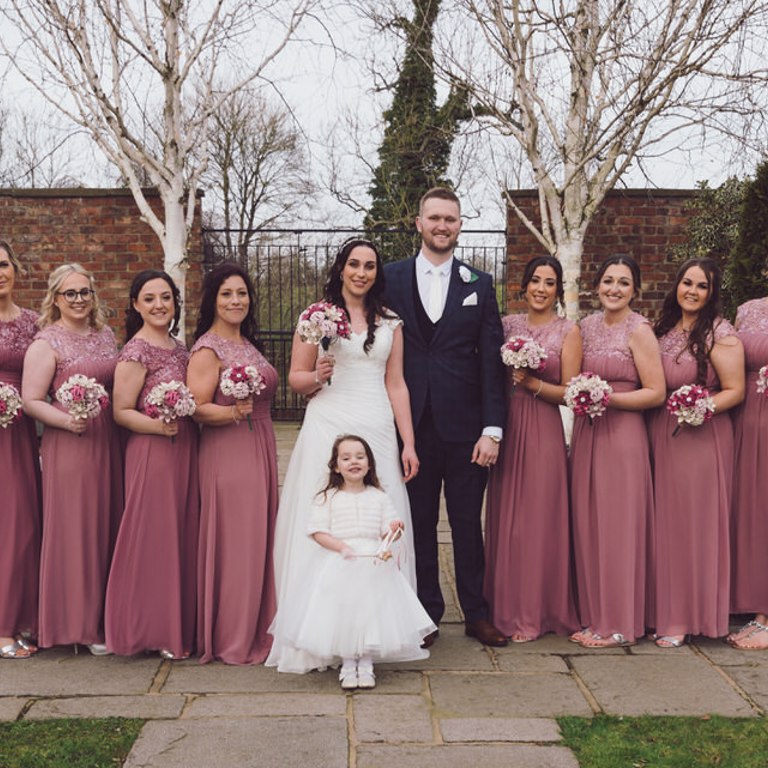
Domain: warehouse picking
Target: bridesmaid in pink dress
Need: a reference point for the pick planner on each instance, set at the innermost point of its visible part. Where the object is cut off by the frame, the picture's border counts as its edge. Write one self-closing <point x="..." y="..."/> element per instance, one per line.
<point x="20" y="515"/>
<point x="238" y="478"/>
<point x="151" y="592"/>
<point x="693" y="470"/>
<point x="611" y="490"/>
<point x="527" y="522"/>
<point x="81" y="459"/>
<point x="749" y="515"/>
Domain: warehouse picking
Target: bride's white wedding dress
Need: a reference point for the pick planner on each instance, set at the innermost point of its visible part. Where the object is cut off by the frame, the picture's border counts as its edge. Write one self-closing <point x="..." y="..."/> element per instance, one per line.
<point x="355" y="403"/>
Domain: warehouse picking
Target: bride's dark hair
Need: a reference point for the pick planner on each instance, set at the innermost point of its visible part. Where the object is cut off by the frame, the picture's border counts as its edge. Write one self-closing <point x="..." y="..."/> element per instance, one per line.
<point x="701" y="338"/>
<point x="374" y="299"/>
<point x="335" y="479"/>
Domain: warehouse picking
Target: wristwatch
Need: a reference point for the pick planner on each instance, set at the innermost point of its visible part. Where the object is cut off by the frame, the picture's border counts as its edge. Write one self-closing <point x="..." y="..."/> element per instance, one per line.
<point x="495" y="439"/>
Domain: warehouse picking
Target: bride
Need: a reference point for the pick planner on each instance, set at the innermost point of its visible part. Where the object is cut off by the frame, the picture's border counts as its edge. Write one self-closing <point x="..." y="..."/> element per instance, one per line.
<point x="367" y="397"/>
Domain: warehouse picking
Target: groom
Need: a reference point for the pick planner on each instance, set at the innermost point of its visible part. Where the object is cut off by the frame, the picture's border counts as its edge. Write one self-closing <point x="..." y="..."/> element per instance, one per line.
<point x="455" y="376"/>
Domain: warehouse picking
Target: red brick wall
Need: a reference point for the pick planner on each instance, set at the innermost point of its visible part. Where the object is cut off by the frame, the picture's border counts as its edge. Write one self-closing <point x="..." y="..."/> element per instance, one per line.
<point x="99" y="228"/>
<point x="644" y="223"/>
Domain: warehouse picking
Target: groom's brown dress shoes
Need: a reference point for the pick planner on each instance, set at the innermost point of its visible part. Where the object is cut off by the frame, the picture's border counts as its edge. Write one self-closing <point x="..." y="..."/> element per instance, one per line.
<point x="485" y="632"/>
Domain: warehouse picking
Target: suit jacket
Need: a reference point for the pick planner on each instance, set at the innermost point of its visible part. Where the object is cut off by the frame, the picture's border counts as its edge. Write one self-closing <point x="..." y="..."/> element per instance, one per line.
<point x="460" y="370"/>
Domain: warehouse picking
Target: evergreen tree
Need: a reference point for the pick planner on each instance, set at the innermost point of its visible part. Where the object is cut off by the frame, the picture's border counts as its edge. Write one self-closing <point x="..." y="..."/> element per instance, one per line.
<point x="747" y="271"/>
<point x="416" y="148"/>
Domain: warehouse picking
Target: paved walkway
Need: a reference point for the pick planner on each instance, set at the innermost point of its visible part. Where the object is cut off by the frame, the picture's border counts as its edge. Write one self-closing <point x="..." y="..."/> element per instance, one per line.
<point x="465" y="705"/>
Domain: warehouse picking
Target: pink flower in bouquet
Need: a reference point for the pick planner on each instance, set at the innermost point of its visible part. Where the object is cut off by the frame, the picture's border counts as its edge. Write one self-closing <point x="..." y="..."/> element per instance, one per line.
<point x="762" y="381"/>
<point x="242" y="382"/>
<point x="692" y="405"/>
<point x="588" y="395"/>
<point x="82" y="397"/>
<point x="522" y="352"/>
<point x="10" y="405"/>
<point x="169" y="400"/>
<point x="322" y="323"/>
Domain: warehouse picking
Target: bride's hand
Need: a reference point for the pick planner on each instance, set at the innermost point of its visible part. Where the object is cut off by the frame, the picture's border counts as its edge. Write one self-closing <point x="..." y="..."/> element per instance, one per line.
<point x="410" y="463"/>
<point x="324" y="368"/>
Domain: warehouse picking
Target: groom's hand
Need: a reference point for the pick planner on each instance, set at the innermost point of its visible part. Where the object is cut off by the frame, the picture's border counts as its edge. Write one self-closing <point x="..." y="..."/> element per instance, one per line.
<point x="485" y="452"/>
<point x="410" y="463"/>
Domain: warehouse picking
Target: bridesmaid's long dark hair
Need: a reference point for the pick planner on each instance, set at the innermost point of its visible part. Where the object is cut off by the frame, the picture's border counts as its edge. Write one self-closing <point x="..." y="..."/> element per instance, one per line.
<point x="374" y="299"/>
<point x="701" y="338"/>
<point x="133" y="321"/>
<point x="211" y="286"/>
<point x="544" y="261"/>
<point x="622" y="260"/>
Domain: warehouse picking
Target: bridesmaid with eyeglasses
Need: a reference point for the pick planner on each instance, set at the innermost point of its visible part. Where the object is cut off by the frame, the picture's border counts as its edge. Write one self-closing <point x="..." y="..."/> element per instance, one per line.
<point x="81" y="460"/>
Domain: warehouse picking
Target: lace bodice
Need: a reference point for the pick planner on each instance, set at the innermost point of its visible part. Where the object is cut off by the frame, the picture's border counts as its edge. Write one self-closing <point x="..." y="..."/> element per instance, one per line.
<point x="162" y="365"/>
<point x="680" y="365"/>
<point x="15" y="336"/>
<point x="233" y="353"/>
<point x="550" y="336"/>
<point x="606" y="348"/>
<point x="94" y="355"/>
<point x="752" y="322"/>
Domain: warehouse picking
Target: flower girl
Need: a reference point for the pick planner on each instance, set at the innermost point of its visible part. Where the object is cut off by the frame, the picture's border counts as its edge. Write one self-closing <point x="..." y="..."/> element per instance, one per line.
<point x="359" y="608"/>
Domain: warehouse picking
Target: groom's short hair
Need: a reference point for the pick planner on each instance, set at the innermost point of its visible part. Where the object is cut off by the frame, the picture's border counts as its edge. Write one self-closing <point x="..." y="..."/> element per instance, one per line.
<point x="441" y="193"/>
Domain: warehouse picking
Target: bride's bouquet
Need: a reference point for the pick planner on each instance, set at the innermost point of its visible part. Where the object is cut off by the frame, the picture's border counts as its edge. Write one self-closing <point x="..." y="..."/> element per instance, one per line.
<point x="588" y="395"/>
<point x="522" y="352"/>
<point x="692" y="405"/>
<point x="322" y="323"/>
<point x="168" y="401"/>
<point x="762" y="381"/>
<point x="10" y="405"/>
<point x="82" y="397"/>
<point x="242" y="382"/>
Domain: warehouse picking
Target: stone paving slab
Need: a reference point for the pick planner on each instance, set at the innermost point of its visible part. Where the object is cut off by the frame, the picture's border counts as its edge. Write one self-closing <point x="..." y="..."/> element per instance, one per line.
<point x="280" y="742"/>
<point x="453" y="650"/>
<point x="561" y="646"/>
<point x="533" y="729"/>
<point x="11" y="707"/>
<point x="58" y="672"/>
<point x="392" y="719"/>
<point x="754" y="682"/>
<point x="461" y="756"/>
<point x="146" y="707"/>
<point x="505" y="695"/>
<point x="531" y="663"/>
<point x="724" y="655"/>
<point x="675" y="684"/>
<point x="265" y="705"/>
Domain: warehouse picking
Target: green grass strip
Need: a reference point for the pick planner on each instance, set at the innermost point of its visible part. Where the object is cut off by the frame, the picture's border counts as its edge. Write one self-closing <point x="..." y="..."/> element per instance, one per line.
<point x="73" y="743"/>
<point x="667" y="742"/>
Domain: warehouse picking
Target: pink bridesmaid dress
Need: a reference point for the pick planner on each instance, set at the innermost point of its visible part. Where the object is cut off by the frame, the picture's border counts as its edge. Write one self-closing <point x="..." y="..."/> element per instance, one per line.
<point x="527" y="527"/>
<point x="693" y="479"/>
<point x="20" y="508"/>
<point x="151" y="594"/>
<point x="238" y="497"/>
<point x="82" y="498"/>
<point x="611" y="491"/>
<point x="749" y="515"/>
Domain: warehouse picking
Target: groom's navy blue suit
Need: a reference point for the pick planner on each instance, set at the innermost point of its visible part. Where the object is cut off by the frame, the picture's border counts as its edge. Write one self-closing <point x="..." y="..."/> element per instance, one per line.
<point x="455" y="377"/>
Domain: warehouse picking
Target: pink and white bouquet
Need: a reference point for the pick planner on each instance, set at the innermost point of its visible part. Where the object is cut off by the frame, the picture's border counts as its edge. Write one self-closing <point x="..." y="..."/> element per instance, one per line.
<point x="692" y="405"/>
<point x="83" y="397"/>
<point x="322" y="323"/>
<point x="762" y="381"/>
<point x="588" y="395"/>
<point x="10" y="405"/>
<point x="242" y="382"/>
<point x="522" y="352"/>
<point x="168" y="401"/>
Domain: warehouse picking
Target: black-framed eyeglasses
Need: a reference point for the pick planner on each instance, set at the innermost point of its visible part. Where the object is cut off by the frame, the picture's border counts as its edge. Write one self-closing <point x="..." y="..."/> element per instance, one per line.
<point x="71" y="295"/>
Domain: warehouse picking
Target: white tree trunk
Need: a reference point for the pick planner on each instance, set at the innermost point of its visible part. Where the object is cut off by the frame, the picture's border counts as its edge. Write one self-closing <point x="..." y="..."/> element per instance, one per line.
<point x="569" y="253"/>
<point x="174" y="243"/>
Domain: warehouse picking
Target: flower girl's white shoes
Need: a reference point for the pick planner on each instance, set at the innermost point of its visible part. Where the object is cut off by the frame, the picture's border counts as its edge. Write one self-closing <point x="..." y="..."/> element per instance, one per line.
<point x="348" y="676"/>
<point x="366" y="678"/>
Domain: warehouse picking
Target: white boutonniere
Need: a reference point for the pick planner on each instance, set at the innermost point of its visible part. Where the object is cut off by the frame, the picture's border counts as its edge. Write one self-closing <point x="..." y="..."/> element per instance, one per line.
<point x="466" y="275"/>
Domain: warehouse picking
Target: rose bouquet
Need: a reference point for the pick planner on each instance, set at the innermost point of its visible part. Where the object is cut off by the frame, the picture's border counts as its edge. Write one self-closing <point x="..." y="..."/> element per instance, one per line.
<point x="692" y="405"/>
<point x="169" y="401"/>
<point x="242" y="382"/>
<point x="588" y="395"/>
<point x="762" y="381"/>
<point x="522" y="352"/>
<point x="322" y="323"/>
<point x="10" y="405"/>
<point x="83" y="397"/>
